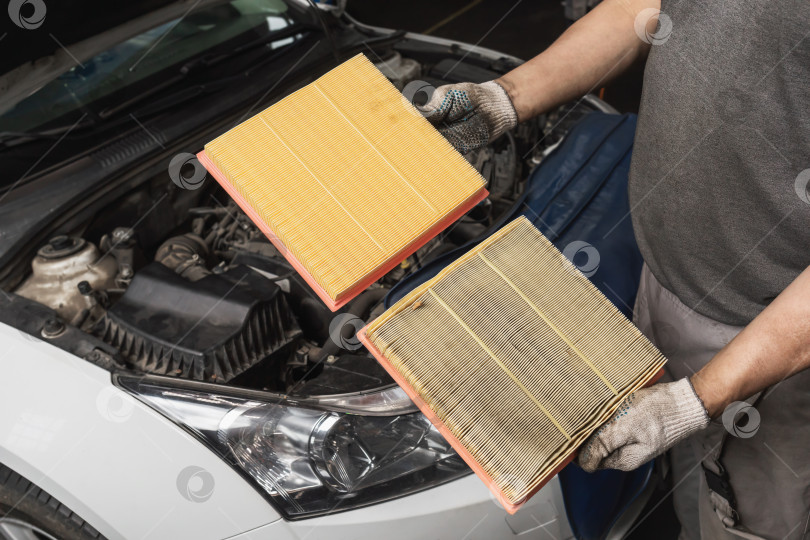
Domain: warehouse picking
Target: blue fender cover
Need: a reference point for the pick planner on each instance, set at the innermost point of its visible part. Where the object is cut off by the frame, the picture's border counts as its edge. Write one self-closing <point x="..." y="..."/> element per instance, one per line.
<point x="577" y="197"/>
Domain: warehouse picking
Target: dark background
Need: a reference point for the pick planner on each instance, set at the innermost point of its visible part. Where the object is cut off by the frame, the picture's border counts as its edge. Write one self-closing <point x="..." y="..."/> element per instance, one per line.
<point x="522" y="28"/>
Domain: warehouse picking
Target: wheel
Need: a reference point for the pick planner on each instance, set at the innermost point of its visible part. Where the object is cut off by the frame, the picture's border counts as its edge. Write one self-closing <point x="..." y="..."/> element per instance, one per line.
<point x="29" y="513"/>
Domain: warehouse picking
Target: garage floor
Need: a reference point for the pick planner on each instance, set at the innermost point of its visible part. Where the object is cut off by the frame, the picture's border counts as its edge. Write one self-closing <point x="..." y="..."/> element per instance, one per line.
<point x="523" y="29"/>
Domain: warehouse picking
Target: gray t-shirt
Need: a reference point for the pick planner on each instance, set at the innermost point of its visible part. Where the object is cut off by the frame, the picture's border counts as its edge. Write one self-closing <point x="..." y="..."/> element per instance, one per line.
<point x="720" y="205"/>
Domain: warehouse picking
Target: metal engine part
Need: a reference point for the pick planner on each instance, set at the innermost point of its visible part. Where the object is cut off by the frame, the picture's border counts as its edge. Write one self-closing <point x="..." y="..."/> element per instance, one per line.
<point x="400" y="71"/>
<point x="186" y="255"/>
<point x="212" y="329"/>
<point x="64" y="273"/>
<point x="121" y="244"/>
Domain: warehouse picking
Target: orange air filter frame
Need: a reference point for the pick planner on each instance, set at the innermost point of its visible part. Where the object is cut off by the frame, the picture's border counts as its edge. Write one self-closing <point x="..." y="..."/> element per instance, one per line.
<point x="334" y="305"/>
<point x="513" y="305"/>
<point x="345" y="177"/>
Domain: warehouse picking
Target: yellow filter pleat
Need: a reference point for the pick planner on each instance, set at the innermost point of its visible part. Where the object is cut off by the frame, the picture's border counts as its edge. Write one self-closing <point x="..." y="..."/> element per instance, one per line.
<point x="548" y="322"/>
<point x="346" y="173"/>
<point x="517" y="354"/>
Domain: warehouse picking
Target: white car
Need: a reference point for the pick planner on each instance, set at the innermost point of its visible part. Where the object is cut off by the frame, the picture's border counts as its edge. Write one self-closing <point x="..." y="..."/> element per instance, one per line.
<point x="163" y="372"/>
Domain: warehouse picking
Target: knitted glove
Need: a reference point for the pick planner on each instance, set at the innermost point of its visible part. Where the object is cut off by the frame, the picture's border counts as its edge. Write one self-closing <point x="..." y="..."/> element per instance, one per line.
<point x="470" y="115"/>
<point x="648" y="423"/>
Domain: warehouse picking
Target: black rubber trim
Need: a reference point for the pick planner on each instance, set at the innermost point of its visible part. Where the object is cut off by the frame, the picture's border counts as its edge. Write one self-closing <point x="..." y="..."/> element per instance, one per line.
<point x="26" y="496"/>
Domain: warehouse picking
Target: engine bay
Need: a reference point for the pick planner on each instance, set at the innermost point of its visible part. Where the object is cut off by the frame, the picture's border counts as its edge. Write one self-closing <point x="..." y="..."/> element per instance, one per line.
<point x="180" y="283"/>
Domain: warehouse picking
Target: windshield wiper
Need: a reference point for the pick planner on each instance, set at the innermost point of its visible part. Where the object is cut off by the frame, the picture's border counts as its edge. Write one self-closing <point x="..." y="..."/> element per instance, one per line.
<point x="164" y="101"/>
<point x="194" y="66"/>
<point x="211" y="59"/>
<point x="182" y="96"/>
<point x="14" y="138"/>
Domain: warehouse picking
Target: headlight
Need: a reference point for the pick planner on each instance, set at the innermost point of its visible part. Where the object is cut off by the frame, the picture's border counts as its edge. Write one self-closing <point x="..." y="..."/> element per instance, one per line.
<point x="308" y="459"/>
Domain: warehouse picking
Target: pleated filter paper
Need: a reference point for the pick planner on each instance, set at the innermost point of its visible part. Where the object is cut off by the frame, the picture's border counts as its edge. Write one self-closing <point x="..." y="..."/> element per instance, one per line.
<point x="345" y="177"/>
<point x="515" y="357"/>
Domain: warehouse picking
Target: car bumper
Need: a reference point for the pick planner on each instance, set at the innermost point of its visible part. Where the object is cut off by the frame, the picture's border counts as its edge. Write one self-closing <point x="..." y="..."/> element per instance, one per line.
<point x="462" y="509"/>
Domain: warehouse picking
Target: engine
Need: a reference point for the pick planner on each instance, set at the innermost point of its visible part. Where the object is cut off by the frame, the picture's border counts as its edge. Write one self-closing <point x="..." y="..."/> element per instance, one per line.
<point x="194" y="290"/>
<point x="216" y="303"/>
<point x="211" y="329"/>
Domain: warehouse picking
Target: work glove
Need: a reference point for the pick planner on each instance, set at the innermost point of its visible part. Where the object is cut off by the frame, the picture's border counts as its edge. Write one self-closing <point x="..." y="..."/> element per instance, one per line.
<point x="470" y="115"/>
<point x="648" y="423"/>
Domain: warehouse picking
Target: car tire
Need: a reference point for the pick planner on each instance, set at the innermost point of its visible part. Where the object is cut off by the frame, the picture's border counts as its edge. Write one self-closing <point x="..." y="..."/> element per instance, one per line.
<point x="26" y="511"/>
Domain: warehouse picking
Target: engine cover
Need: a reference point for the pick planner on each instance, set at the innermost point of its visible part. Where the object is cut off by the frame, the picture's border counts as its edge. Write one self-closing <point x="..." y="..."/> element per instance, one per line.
<point x="212" y="329"/>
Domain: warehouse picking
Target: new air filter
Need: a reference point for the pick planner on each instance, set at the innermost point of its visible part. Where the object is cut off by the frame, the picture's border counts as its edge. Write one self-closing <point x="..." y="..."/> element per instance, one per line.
<point x="514" y="356"/>
<point x="345" y="177"/>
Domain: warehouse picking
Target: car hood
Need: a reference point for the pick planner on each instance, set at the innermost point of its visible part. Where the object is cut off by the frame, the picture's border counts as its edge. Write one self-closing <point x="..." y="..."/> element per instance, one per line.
<point x="48" y="38"/>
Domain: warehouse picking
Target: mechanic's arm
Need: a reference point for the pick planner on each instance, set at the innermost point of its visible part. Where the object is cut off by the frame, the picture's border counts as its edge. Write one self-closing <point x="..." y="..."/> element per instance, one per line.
<point x="592" y="51"/>
<point x="774" y="346"/>
<point x="596" y="48"/>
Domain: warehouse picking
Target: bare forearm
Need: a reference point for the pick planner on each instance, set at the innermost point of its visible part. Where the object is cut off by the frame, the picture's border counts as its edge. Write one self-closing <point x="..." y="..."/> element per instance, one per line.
<point x="774" y="346"/>
<point x="594" y="50"/>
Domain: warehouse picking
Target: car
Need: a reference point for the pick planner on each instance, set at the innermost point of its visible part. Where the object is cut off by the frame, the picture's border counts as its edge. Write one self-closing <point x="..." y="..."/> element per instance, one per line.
<point x="164" y="372"/>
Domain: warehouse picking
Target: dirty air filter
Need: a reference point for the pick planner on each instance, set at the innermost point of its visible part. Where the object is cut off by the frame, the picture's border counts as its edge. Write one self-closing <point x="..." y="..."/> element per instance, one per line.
<point x="212" y="329"/>
<point x="514" y="356"/>
<point x="345" y="177"/>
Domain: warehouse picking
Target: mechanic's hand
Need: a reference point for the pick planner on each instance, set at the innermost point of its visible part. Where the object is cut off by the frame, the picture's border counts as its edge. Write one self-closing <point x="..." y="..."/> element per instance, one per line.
<point x="648" y="423"/>
<point x="470" y="115"/>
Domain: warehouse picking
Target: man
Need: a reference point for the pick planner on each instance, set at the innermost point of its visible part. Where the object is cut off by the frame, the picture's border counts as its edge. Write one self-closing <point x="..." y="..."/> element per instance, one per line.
<point x="721" y="212"/>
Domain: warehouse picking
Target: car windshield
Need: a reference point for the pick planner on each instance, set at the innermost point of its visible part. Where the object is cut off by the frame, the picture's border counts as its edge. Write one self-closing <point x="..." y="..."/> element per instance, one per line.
<point x="122" y="71"/>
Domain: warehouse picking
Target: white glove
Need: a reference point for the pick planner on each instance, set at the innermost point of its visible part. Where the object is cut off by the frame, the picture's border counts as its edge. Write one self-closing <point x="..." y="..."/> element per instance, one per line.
<point x="470" y="115"/>
<point x="648" y="423"/>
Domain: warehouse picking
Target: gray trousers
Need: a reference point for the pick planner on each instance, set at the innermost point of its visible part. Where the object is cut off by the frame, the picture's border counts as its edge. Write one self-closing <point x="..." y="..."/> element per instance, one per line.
<point x="767" y="459"/>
